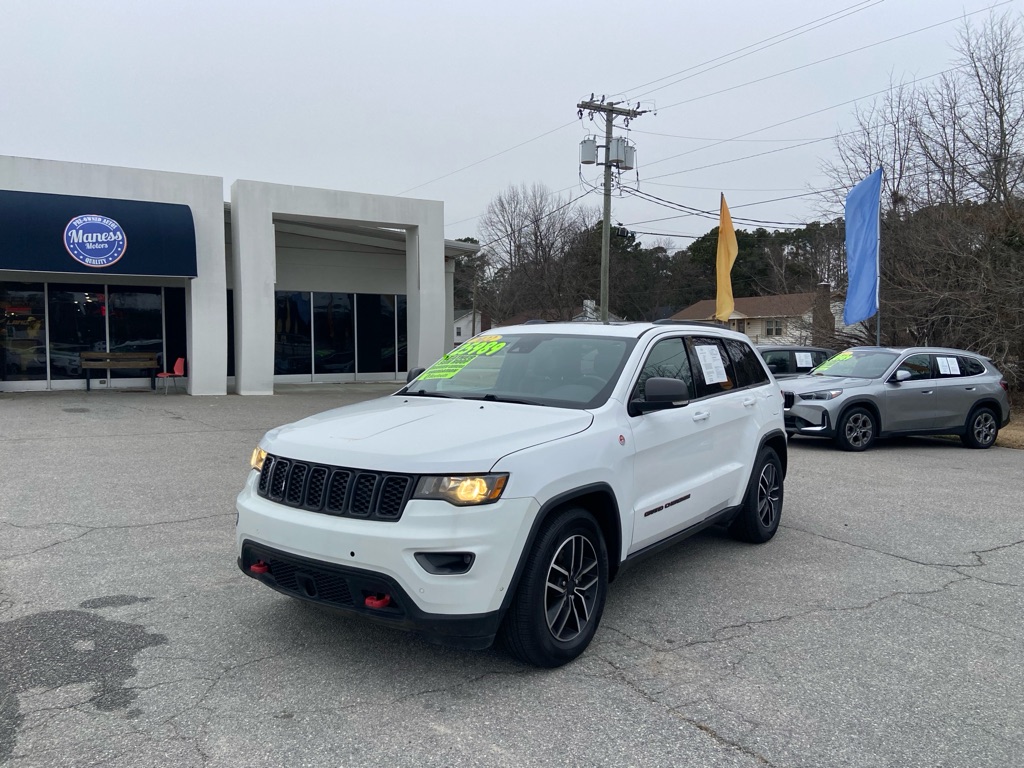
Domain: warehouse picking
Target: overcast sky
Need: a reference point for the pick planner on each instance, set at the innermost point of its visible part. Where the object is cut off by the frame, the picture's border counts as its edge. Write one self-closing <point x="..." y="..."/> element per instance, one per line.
<point x="392" y="97"/>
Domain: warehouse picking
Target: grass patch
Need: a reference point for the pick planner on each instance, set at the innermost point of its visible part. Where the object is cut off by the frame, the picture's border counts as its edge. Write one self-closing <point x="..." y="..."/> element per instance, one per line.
<point x="1012" y="435"/>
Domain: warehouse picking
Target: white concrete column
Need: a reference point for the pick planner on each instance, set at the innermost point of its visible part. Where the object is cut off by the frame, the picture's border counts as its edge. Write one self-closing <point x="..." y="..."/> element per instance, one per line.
<point x="425" y="277"/>
<point x="254" y="263"/>
<point x="206" y="317"/>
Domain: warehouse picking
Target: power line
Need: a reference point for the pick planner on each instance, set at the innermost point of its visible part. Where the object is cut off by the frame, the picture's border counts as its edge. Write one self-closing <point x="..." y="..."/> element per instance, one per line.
<point x="865" y="3"/>
<point x="834" y="56"/>
<point x="843" y="11"/>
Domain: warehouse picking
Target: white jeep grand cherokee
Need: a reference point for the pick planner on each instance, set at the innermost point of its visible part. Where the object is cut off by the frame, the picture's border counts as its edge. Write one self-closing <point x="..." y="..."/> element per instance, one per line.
<point x="502" y="489"/>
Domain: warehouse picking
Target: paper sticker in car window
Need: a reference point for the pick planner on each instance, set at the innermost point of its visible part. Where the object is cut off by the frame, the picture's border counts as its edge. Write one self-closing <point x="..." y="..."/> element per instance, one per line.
<point x="711" y="363"/>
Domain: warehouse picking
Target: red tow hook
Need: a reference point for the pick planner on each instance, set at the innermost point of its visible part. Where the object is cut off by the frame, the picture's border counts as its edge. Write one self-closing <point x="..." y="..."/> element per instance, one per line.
<point x="377" y="601"/>
<point x="259" y="567"/>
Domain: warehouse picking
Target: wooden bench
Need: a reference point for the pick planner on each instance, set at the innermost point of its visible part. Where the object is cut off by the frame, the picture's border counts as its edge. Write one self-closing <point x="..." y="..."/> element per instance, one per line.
<point x="119" y="361"/>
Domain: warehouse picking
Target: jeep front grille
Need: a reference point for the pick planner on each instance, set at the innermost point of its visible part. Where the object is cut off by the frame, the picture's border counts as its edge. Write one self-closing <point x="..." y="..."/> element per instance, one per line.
<point x="341" y="491"/>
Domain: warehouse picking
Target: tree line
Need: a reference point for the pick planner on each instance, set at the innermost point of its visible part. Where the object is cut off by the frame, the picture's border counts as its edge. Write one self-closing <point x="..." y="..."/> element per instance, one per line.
<point x="952" y="227"/>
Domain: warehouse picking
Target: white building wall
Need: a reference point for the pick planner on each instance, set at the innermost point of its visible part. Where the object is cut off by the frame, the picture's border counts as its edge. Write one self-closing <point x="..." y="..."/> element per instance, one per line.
<point x="259" y="269"/>
<point x="205" y="313"/>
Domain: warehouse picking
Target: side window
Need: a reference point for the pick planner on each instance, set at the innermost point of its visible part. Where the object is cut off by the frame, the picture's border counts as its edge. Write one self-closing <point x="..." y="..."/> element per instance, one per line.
<point x="919" y="366"/>
<point x="777" y="360"/>
<point x="712" y="371"/>
<point x="749" y="371"/>
<point x="819" y="357"/>
<point x="971" y="366"/>
<point x="948" y="366"/>
<point x="667" y="359"/>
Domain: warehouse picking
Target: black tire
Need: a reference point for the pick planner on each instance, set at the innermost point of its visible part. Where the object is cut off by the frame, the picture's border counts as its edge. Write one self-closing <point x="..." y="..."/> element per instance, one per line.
<point x="758" y="519"/>
<point x="856" y="430"/>
<point x="555" y="613"/>
<point x="982" y="428"/>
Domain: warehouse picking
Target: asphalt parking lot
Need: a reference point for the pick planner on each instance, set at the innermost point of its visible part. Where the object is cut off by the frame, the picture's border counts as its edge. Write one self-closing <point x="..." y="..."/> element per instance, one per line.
<point x="883" y="626"/>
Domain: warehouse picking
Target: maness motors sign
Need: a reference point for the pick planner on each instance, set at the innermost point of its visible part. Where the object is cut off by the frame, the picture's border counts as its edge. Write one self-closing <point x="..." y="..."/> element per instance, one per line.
<point x="95" y="241"/>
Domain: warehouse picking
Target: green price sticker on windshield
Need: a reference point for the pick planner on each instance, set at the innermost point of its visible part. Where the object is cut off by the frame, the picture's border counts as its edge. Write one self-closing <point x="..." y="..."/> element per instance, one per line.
<point x="833" y="360"/>
<point x="460" y="357"/>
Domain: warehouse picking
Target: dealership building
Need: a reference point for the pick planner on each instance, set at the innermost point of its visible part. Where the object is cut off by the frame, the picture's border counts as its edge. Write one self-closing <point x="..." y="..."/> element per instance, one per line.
<point x="281" y="284"/>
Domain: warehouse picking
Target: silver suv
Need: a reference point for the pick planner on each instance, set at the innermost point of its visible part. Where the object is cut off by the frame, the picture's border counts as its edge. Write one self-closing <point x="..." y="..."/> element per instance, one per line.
<point x="864" y="393"/>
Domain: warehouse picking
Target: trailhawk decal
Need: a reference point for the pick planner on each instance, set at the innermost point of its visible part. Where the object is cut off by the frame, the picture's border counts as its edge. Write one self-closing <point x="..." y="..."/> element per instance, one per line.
<point x="460" y="357"/>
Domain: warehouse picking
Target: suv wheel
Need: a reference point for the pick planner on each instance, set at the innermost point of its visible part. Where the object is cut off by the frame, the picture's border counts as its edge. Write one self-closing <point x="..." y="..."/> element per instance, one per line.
<point x="982" y="429"/>
<point x="561" y="595"/>
<point x="855" y="430"/>
<point x="758" y="519"/>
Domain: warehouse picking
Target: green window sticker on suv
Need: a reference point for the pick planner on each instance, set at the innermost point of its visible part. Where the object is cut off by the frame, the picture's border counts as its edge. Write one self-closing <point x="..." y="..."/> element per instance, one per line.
<point x="833" y="360"/>
<point x="460" y="357"/>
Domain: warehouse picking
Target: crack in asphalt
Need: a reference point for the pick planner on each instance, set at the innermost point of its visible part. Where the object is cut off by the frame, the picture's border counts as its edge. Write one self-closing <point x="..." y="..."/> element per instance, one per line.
<point x="93" y="528"/>
<point x="677" y="714"/>
<point x="976" y="553"/>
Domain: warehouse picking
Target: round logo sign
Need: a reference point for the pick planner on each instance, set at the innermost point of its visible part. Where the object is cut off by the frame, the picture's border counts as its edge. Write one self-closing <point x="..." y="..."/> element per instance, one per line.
<point x="95" y="241"/>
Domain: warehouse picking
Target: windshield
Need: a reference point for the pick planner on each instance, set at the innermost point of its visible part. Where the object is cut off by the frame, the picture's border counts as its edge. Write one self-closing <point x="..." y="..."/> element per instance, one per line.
<point x="562" y="370"/>
<point x="858" y="363"/>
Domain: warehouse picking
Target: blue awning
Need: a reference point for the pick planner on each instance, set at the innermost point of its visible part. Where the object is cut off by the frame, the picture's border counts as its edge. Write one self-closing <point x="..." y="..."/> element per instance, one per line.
<point x="95" y="235"/>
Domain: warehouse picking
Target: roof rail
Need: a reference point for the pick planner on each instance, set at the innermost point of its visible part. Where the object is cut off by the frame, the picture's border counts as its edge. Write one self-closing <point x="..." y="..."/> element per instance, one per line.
<point x="536" y="321"/>
<point x="703" y="323"/>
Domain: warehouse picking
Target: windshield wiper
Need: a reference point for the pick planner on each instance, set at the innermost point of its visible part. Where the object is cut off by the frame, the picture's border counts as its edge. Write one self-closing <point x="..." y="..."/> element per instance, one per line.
<point x="501" y="399"/>
<point x="424" y="393"/>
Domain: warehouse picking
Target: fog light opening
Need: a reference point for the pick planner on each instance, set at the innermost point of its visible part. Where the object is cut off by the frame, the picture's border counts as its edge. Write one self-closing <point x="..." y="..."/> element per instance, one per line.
<point x="445" y="563"/>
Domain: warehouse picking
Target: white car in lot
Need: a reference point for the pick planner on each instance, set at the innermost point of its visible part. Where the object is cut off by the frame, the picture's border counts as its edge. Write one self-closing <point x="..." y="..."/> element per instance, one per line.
<point x="501" y="490"/>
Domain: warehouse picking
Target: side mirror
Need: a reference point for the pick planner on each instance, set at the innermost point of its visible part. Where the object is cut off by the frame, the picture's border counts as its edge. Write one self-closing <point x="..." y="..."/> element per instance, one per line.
<point x="901" y="376"/>
<point x="773" y="367"/>
<point x="413" y="374"/>
<point x="662" y="394"/>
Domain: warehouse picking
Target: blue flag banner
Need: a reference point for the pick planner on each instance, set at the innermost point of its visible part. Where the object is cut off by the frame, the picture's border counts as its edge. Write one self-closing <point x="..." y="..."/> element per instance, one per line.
<point x="862" y="210"/>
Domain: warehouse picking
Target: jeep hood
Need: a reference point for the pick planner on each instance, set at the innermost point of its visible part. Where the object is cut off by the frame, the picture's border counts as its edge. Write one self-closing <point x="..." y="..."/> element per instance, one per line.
<point x="421" y="435"/>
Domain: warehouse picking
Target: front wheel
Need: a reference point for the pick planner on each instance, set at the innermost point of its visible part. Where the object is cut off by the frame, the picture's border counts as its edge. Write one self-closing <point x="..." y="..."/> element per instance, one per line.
<point x="558" y="604"/>
<point x="856" y="430"/>
<point x="982" y="429"/>
<point x="758" y="519"/>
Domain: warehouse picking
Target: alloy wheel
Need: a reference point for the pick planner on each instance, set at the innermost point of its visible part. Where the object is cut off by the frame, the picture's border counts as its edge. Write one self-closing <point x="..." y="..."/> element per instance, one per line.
<point x="858" y="430"/>
<point x="572" y="588"/>
<point x="984" y="428"/>
<point x="768" y="495"/>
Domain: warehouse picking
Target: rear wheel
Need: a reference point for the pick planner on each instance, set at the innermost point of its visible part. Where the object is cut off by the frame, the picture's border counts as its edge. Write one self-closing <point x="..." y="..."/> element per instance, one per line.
<point x="982" y="429"/>
<point x="856" y="430"/>
<point x="558" y="604"/>
<point x="758" y="519"/>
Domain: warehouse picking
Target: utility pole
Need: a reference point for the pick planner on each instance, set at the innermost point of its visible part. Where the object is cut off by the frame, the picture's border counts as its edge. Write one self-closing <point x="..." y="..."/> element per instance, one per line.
<point x="610" y="110"/>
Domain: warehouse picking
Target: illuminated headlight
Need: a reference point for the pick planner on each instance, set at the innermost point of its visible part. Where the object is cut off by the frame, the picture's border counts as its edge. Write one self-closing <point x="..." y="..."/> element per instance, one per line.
<point x="825" y="394"/>
<point x="462" y="490"/>
<point x="256" y="460"/>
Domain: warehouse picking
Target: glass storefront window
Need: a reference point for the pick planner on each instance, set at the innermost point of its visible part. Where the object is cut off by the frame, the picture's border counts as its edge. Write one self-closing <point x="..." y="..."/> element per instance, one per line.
<point x="334" y="333"/>
<point x="22" y="332"/>
<point x="78" y="323"/>
<point x="136" y="325"/>
<point x="293" y="343"/>
<point x="375" y="333"/>
<point x="403" y="333"/>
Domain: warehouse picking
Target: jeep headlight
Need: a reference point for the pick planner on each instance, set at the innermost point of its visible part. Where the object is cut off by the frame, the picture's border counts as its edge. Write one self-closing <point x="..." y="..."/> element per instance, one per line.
<point x="257" y="458"/>
<point x="824" y="394"/>
<point x="462" y="490"/>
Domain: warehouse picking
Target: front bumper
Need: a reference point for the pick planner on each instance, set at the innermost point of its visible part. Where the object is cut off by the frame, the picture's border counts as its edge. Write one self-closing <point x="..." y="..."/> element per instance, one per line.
<point x="370" y="556"/>
<point x="347" y="590"/>
<point x="808" y="418"/>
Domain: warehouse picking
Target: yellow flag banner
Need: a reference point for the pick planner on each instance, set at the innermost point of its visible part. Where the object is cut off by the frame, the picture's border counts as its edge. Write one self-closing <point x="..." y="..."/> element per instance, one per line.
<point x="727" y="250"/>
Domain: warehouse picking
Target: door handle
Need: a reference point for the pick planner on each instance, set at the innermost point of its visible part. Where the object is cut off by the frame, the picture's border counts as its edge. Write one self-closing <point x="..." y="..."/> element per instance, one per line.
<point x="926" y="391"/>
<point x="702" y="415"/>
<point x="749" y="402"/>
<point x="970" y="389"/>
